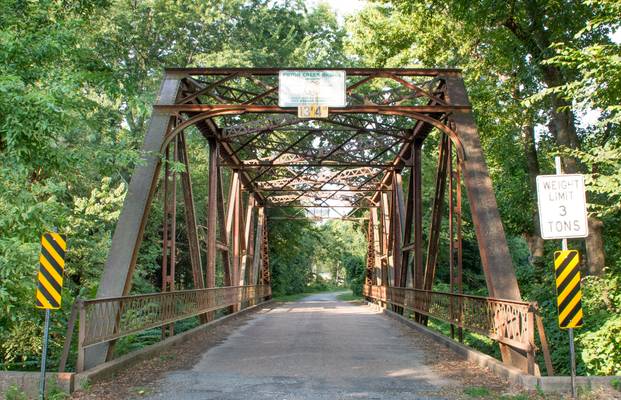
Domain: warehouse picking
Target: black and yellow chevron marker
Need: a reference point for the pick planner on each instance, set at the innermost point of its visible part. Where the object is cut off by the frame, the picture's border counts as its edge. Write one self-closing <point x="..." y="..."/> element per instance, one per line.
<point x="50" y="279"/>
<point x="568" y="290"/>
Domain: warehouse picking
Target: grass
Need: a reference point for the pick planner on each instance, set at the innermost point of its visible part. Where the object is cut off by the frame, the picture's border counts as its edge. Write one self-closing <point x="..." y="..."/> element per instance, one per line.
<point x="348" y="297"/>
<point x="291" y="297"/>
<point x="477" y="391"/>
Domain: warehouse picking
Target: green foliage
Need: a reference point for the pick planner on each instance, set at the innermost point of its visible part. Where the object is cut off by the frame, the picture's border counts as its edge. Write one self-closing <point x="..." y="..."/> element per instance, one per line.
<point x="292" y="245"/>
<point x="77" y="80"/>
<point x="509" y="52"/>
<point x="601" y="340"/>
<point x="477" y="391"/>
<point x="349" y="297"/>
<point x="15" y="393"/>
<point x="341" y="252"/>
<point x="604" y="183"/>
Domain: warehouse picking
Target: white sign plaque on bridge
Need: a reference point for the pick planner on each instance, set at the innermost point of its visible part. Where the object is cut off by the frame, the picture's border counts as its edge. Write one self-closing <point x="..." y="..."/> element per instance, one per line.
<point x="562" y="206"/>
<point x="311" y="87"/>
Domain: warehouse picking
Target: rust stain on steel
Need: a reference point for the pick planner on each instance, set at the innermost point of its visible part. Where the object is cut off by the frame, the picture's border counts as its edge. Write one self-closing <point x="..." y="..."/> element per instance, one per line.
<point x="353" y="159"/>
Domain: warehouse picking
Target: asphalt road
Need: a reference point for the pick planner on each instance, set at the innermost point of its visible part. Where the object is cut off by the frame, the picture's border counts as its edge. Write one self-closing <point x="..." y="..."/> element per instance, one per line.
<point x="316" y="348"/>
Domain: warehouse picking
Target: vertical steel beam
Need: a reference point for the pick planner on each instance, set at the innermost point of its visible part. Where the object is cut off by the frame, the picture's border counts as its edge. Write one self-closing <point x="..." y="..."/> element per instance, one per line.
<point x="230" y="207"/>
<point x="385" y="224"/>
<point x="265" y="276"/>
<point x="212" y="213"/>
<point x="418" y="272"/>
<point x="459" y="244"/>
<point x="169" y="227"/>
<point x="495" y="257"/>
<point x="377" y="262"/>
<point x="190" y="217"/>
<point x="258" y="239"/>
<point x="451" y="228"/>
<point x="368" y="273"/>
<point x="249" y="241"/>
<point x="236" y="238"/>
<point x="391" y="223"/>
<point x="257" y="245"/>
<point x="224" y="234"/>
<point x="407" y="230"/>
<point x="418" y="267"/>
<point x="436" y="214"/>
<point x="212" y="217"/>
<point x="399" y="230"/>
<point x="118" y="270"/>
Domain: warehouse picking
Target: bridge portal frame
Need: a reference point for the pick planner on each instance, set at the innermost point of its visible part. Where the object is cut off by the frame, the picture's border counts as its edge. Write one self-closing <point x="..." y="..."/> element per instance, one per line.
<point x="198" y="96"/>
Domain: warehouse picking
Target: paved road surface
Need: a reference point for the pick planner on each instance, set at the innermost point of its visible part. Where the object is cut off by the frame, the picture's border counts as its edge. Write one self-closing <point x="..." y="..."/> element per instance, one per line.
<point x="317" y="348"/>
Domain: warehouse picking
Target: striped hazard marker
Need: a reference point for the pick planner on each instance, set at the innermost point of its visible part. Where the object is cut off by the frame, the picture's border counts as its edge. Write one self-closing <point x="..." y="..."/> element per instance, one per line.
<point x="568" y="290"/>
<point x="52" y="265"/>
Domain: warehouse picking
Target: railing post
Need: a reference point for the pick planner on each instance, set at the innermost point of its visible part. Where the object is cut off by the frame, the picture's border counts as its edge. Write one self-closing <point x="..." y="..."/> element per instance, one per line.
<point x="81" y="334"/>
<point x="460" y="331"/>
<point x="530" y="328"/>
<point x="68" y="336"/>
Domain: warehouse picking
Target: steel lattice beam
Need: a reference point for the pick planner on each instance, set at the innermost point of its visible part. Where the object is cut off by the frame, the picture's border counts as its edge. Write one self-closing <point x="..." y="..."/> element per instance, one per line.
<point x="354" y="159"/>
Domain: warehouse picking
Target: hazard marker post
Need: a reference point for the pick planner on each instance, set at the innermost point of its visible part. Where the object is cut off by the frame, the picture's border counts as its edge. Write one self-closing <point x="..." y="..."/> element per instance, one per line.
<point x="49" y="287"/>
<point x="562" y="214"/>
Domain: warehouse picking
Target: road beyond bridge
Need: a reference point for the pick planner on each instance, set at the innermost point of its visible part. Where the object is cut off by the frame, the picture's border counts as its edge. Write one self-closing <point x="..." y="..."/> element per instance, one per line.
<point x="316" y="348"/>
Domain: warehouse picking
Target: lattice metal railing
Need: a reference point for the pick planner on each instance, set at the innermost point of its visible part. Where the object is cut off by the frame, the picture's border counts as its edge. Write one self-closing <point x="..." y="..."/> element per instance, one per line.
<point x="104" y="320"/>
<point x="505" y="321"/>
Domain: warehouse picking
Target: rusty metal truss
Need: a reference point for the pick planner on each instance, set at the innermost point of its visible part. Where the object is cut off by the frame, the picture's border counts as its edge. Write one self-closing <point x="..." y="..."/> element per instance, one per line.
<point x="353" y="163"/>
<point x="103" y="320"/>
<point x="509" y="322"/>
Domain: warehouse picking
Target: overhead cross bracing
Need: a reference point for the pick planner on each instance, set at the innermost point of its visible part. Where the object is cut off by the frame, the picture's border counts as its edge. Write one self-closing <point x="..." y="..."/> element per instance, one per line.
<point x="288" y="161"/>
<point x="355" y="159"/>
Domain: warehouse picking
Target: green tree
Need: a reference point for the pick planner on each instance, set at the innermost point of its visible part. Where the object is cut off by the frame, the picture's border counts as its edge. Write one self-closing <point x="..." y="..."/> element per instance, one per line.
<point x="77" y="80"/>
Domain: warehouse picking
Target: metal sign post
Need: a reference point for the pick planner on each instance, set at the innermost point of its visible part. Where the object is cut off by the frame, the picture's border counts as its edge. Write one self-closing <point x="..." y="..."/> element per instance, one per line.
<point x="572" y="349"/>
<point x="562" y="215"/>
<point x="44" y="355"/>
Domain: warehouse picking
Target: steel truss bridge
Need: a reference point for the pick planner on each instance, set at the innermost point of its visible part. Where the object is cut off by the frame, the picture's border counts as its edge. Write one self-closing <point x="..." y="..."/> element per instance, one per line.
<point x="356" y="159"/>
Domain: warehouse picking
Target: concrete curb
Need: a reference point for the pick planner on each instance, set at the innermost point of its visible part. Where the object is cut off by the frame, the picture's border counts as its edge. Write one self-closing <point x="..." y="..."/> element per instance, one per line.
<point x="28" y="382"/>
<point x="562" y="384"/>
<point x="83" y="379"/>
<point x="547" y="384"/>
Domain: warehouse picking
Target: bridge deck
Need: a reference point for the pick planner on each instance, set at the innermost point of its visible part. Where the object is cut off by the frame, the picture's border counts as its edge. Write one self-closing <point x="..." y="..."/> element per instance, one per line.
<point x="320" y="348"/>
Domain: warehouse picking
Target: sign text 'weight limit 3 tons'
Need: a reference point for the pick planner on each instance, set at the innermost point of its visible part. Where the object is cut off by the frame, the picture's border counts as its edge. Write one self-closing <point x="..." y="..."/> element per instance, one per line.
<point x="562" y="206"/>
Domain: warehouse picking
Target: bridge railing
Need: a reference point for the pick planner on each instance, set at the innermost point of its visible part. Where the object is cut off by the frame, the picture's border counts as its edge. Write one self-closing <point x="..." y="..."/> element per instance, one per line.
<point x="505" y="321"/>
<point x="108" y="319"/>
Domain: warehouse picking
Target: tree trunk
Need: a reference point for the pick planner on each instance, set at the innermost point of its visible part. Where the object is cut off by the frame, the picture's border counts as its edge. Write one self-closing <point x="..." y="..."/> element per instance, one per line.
<point x="533" y="238"/>
<point x="536" y="38"/>
<point x="566" y="136"/>
<point x="596" y="258"/>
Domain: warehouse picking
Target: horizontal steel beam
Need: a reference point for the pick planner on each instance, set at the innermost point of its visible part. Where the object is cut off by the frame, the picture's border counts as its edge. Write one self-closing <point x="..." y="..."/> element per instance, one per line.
<point x="311" y="190"/>
<point x="312" y="218"/>
<point x="348" y="71"/>
<point x="253" y="108"/>
<point x="318" y="206"/>
<point x="326" y="163"/>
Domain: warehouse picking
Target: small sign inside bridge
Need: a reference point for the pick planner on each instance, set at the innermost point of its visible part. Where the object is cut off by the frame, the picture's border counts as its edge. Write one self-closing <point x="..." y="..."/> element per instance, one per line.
<point x="562" y="206"/>
<point x="311" y="87"/>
